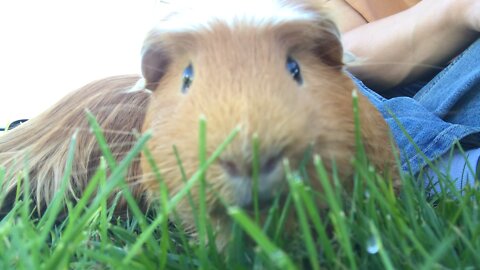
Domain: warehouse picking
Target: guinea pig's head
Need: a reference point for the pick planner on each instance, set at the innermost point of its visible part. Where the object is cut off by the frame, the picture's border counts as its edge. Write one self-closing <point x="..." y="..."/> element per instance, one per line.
<point x="277" y="74"/>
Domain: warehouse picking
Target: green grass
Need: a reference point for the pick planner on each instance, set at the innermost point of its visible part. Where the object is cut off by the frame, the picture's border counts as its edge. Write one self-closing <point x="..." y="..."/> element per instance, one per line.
<point x="370" y="228"/>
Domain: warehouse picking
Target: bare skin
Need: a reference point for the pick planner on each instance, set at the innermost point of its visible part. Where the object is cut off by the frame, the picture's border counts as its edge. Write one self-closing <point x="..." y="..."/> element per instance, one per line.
<point x="345" y="16"/>
<point x="410" y="44"/>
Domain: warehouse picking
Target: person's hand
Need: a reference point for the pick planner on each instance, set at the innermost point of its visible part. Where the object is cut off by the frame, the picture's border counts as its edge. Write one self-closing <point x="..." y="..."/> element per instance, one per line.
<point x="413" y="43"/>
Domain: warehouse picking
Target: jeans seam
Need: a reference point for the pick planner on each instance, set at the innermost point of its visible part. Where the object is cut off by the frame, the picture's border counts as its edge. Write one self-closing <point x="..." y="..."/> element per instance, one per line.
<point x="430" y="145"/>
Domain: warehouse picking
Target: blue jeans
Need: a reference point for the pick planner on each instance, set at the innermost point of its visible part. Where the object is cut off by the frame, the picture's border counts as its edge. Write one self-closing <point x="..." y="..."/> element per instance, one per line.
<point x="444" y="111"/>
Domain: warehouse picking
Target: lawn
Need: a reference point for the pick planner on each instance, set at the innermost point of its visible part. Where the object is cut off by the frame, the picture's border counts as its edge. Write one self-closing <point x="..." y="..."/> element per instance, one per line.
<point x="369" y="228"/>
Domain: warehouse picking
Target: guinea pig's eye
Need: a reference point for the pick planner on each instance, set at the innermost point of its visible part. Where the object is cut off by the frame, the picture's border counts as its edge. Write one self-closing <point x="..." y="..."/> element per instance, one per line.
<point x="187" y="78"/>
<point x="294" y="69"/>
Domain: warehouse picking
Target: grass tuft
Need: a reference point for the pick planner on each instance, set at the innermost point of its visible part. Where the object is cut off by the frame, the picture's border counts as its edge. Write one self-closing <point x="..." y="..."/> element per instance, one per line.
<point x="368" y="228"/>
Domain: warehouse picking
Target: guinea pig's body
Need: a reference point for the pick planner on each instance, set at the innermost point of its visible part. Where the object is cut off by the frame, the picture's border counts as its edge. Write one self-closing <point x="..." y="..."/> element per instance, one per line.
<point x="278" y="76"/>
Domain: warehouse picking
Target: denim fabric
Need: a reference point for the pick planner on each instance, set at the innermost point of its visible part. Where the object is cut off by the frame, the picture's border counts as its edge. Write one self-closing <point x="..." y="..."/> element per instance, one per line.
<point x="457" y="166"/>
<point x="446" y="110"/>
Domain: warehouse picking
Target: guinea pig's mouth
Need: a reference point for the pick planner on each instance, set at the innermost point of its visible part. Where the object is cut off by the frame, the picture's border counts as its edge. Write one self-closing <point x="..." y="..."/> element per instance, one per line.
<point x="263" y="199"/>
<point x="264" y="195"/>
<point x="264" y="204"/>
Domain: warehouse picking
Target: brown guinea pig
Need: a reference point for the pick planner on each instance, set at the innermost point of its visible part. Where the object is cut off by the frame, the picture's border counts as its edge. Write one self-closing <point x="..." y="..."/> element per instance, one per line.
<point x="276" y="71"/>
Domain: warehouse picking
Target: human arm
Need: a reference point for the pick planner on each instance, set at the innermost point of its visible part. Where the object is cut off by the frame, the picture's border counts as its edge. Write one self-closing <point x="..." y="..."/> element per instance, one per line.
<point x="405" y="46"/>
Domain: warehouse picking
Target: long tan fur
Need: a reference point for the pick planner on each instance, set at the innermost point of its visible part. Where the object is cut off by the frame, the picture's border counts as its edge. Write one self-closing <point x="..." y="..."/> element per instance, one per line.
<point x="41" y="144"/>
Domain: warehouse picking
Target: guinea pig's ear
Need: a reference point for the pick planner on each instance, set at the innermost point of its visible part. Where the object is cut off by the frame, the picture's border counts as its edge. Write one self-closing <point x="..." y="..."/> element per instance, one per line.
<point x="155" y="62"/>
<point x="328" y="47"/>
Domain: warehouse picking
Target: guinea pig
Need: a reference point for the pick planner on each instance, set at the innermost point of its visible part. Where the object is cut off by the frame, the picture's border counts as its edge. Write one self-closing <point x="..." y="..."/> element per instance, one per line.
<point x="274" y="70"/>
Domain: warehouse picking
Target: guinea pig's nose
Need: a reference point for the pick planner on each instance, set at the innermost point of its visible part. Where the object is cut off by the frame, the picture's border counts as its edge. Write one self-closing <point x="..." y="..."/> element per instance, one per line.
<point x="236" y="168"/>
<point x="239" y="174"/>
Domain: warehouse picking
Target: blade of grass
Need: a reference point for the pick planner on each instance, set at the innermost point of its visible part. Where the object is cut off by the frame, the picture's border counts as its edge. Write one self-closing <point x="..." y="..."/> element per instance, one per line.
<point x="313" y="212"/>
<point x="103" y="205"/>
<point x="295" y="187"/>
<point x="276" y="255"/>
<point x="360" y="149"/>
<point x="283" y="218"/>
<point x="25" y="213"/>
<point x="165" y="239"/>
<point x="255" y="176"/>
<point x="441" y="249"/>
<point x="132" y="203"/>
<point x="387" y="262"/>
<point x="55" y="206"/>
<point x="203" y="232"/>
<point x="336" y="213"/>
<point x="61" y="253"/>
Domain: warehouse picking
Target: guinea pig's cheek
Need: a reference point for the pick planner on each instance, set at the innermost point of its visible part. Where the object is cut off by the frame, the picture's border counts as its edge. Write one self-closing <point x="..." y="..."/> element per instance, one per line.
<point x="219" y="187"/>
